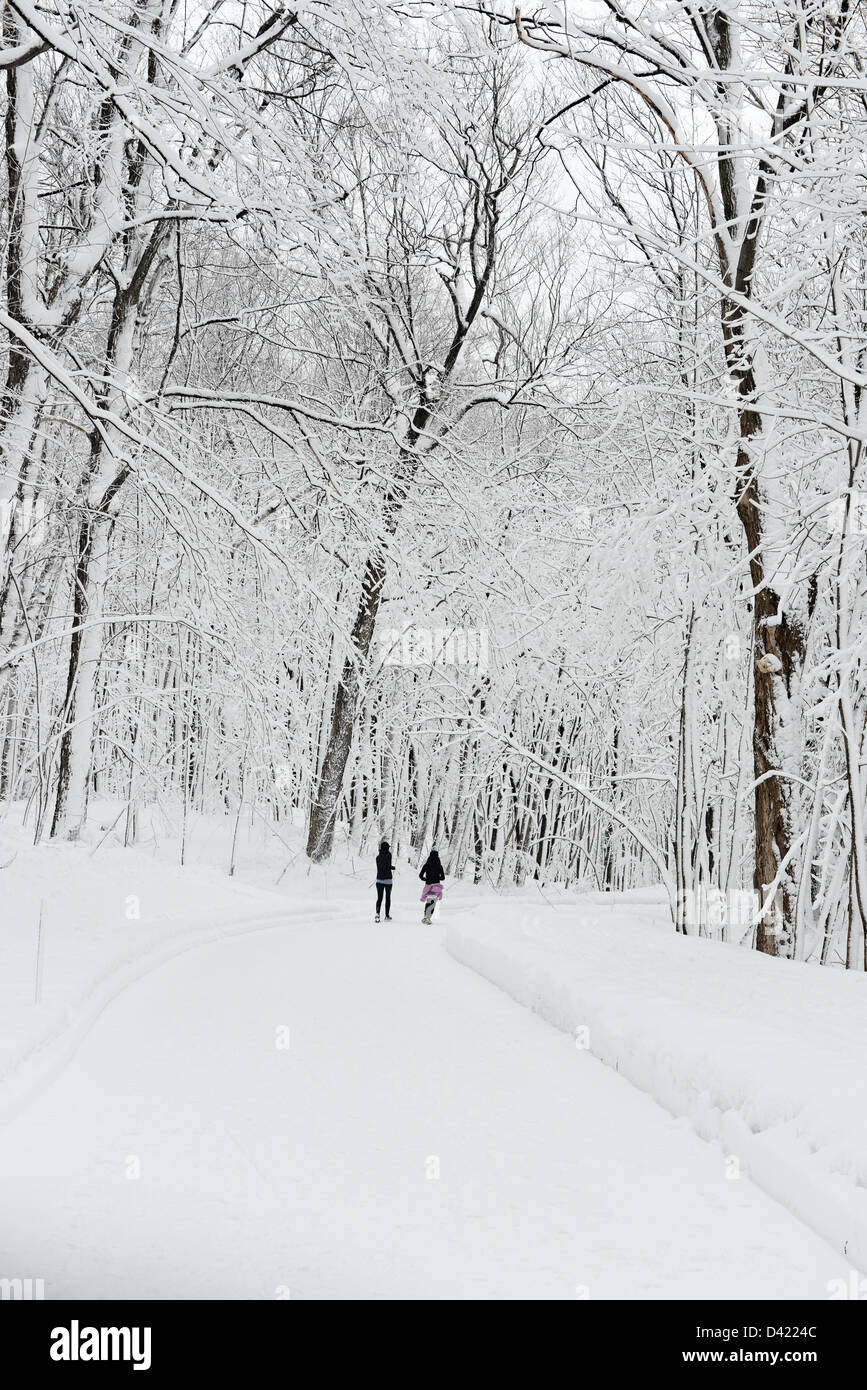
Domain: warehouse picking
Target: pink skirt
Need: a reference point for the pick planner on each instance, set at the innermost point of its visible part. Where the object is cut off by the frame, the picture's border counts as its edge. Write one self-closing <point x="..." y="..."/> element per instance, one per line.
<point x="431" y="890"/>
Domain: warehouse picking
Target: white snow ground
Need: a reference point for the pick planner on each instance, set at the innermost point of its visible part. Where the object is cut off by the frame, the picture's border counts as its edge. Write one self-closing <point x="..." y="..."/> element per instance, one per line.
<point x="764" y="1056"/>
<point x="422" y="1136"/>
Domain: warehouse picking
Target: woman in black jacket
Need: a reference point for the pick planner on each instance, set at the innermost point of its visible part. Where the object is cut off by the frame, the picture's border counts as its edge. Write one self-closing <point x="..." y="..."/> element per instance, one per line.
<point x="432" y="875"/>
<point x="384" y="872"/>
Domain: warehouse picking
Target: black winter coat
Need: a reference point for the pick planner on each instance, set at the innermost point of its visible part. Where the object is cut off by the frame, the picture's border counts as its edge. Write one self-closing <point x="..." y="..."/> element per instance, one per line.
<point x="433" y="871"/>
<point x="384" y="866"/>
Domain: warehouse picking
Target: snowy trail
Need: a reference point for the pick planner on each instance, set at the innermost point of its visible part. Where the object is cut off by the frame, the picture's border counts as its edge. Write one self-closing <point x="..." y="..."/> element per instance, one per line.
<point x="306" y="1170"/>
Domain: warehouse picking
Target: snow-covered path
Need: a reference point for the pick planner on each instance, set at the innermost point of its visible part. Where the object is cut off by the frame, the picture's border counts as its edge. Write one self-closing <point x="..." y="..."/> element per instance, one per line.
<point x="422" y="1136"/>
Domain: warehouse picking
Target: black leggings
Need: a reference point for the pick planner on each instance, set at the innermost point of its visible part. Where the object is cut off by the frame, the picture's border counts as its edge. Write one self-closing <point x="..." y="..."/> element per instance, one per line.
<point x="386" y="889"/>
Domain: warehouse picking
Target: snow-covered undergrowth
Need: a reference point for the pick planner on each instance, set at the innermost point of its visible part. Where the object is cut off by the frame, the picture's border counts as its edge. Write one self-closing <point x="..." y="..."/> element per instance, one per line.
<point x="764" y="1056"/>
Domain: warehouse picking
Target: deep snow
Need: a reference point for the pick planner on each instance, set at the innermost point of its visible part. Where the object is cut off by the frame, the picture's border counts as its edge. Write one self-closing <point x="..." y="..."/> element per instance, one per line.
<point x="422" y="1135"/>
<point x="313" y="1169"/>
<point x="762" y="1055"/>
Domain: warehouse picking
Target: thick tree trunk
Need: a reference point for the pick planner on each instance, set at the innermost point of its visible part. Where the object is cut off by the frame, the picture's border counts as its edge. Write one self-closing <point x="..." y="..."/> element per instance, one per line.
<point x="779" y="651"/>
<point x="326" y="803"/>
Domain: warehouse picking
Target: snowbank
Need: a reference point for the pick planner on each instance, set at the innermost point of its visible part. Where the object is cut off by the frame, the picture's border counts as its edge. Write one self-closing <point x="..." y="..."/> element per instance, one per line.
<point x="764" y="1056"/>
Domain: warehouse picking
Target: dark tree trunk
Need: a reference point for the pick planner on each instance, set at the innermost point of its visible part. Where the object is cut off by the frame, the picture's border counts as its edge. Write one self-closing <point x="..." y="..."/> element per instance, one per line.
<point x="326" y="803"/>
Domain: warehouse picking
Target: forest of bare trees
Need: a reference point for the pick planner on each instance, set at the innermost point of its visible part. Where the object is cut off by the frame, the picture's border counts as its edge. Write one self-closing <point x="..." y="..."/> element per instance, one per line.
<point x="446" y="421"/>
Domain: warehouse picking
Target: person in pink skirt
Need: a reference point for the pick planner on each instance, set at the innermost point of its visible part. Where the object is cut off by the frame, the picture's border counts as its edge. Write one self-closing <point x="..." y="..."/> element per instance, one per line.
<point x="432" y="875"/>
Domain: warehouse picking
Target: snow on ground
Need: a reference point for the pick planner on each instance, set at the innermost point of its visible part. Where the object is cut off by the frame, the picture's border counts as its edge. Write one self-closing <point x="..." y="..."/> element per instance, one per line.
<point x="105" y="913"/>
<point x="764" y="1055"/>
<point x="421" y="1135"/>
<point x="108" y="914"/>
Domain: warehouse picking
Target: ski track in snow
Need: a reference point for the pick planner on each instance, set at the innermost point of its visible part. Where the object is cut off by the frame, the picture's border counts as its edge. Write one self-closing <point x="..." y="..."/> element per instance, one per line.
<point x="304" y="1172"/>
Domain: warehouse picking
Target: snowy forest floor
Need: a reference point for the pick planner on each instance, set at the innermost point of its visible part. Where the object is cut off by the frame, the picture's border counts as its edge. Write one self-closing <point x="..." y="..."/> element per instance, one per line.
<point x="233" y="1088"/>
